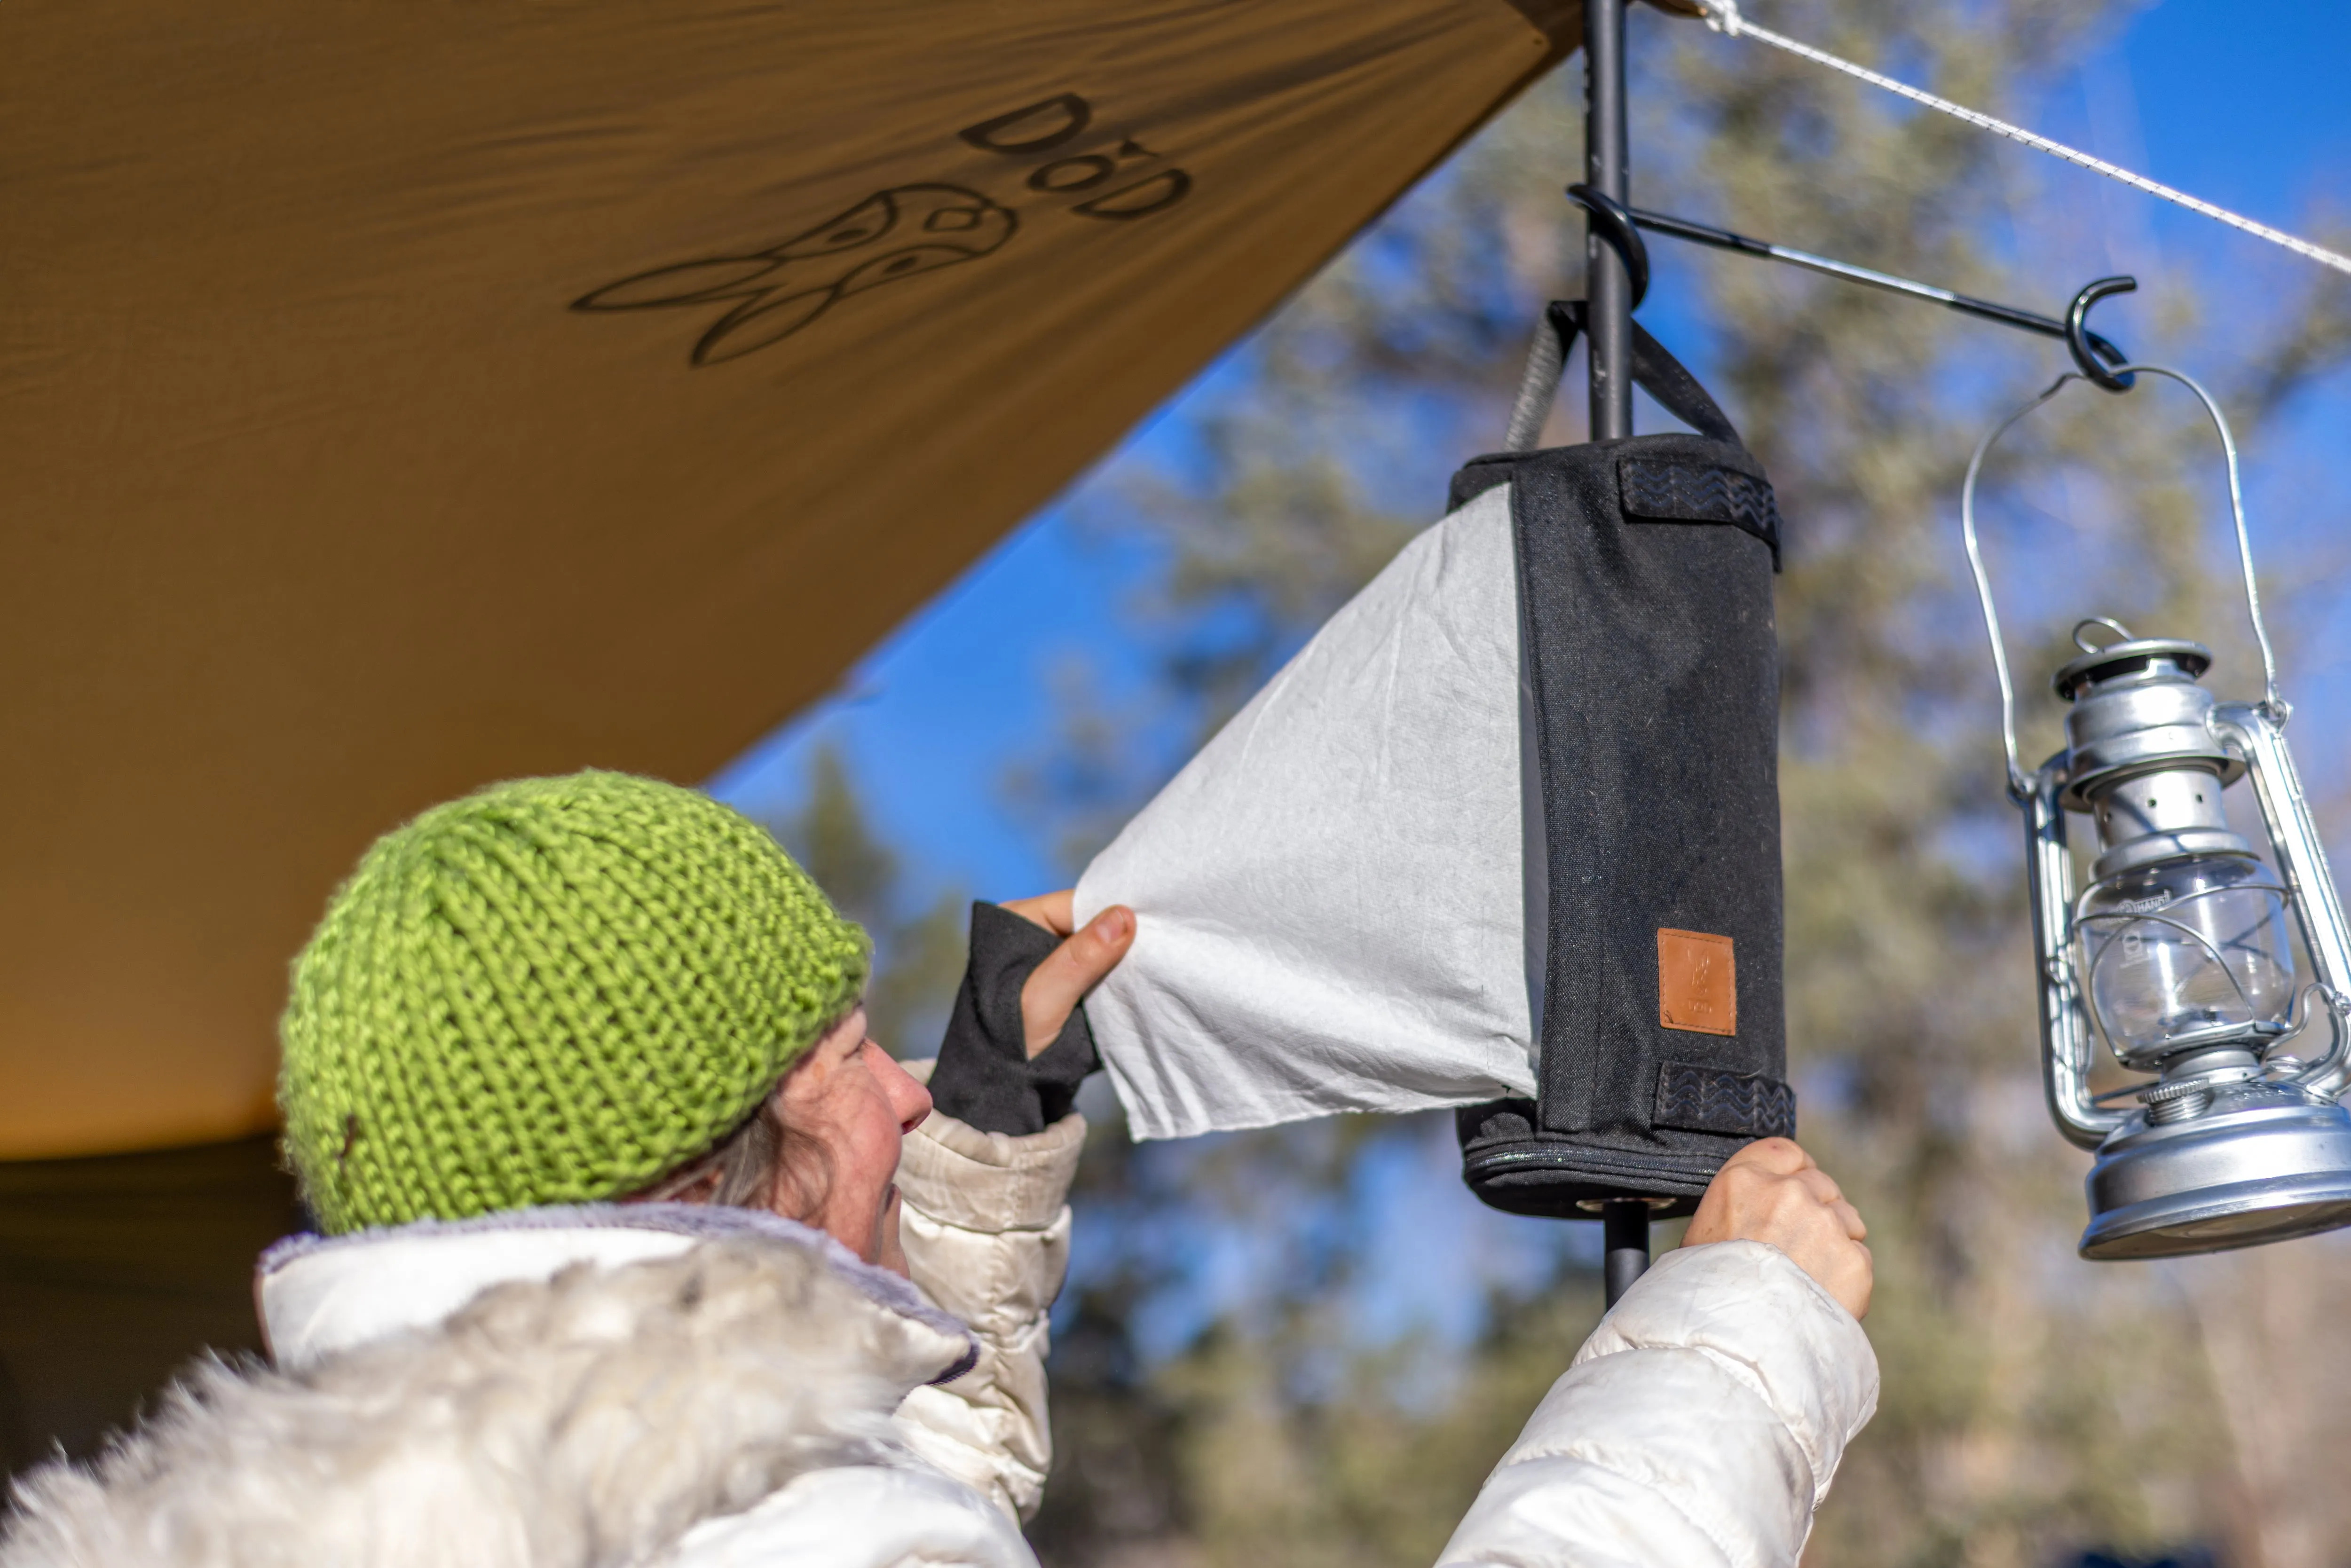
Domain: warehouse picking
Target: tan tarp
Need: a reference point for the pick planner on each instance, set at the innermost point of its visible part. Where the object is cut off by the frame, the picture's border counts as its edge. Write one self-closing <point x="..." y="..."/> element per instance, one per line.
<point x="399" y="394"/>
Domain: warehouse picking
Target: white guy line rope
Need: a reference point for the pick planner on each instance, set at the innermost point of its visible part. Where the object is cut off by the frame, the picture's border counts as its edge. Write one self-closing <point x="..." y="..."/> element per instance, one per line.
<point x="1723" y="16"/>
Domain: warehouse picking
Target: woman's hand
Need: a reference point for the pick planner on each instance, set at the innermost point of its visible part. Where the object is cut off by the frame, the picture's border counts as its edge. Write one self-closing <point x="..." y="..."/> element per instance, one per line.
<point x="1054" y="992"/>
<point x="1771" y="1191"/>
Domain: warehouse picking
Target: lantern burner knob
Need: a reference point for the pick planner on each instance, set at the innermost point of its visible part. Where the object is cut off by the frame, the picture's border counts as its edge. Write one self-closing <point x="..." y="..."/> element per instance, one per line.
<point x="2189" y="1087"/>
<point x="2177" y="1101"/>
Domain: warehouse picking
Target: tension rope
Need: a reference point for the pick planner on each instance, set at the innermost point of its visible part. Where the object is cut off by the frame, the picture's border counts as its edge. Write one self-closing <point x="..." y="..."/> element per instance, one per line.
<point x="1723" y="16"/>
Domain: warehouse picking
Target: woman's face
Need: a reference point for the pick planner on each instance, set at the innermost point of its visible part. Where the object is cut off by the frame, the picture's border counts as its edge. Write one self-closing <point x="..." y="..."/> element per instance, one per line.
<point x="857" y="1104"/>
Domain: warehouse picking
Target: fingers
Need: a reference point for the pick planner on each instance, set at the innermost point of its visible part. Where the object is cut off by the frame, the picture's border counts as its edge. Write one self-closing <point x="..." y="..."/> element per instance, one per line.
<point x="1772" y="1191"/>
<point x="1052" y="992"/>
<point x="1050" y="910"/>
<point x="1819" y="1183"/>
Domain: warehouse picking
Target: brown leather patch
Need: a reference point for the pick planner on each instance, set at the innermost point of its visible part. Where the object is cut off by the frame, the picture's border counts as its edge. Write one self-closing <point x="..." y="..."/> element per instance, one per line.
<point x="1697" y="986"/>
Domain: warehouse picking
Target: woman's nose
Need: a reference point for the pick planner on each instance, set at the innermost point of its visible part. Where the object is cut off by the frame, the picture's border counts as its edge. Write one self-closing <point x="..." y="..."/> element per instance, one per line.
<point x="909" y="1099"/>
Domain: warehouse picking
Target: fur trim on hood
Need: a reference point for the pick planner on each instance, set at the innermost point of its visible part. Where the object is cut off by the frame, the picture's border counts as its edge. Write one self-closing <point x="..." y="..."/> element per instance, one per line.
<point x="585" y="1421"/>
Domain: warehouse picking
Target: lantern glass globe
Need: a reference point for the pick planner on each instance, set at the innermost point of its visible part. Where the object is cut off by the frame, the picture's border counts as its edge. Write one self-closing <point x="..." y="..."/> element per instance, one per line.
<point x="2188" y="954"/>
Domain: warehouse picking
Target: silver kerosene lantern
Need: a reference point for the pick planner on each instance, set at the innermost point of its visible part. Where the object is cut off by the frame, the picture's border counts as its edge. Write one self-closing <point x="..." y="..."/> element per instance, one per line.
<point x="2178" y="949"/>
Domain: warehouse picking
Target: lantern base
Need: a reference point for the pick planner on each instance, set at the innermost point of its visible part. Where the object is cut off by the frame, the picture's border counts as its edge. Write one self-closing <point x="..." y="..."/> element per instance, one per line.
<point x="2264" y="1163"/>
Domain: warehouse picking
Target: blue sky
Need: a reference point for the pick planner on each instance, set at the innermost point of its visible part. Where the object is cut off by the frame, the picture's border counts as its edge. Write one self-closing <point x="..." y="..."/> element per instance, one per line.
<point x="2235" y="102"/>
<point x="2241" y="104"/>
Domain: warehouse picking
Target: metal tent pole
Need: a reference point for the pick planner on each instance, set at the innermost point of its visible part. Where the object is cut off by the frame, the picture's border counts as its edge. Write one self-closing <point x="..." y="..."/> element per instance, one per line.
<point x="1608" y="333"/>
<point x="1625" y="1233"/>
<point x="1608" y="328"/>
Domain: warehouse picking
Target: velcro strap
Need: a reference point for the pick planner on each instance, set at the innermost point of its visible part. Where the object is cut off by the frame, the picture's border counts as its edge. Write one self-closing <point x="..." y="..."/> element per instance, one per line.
<point x="1661" y="489"/>
<point x="1708" y="1099"/>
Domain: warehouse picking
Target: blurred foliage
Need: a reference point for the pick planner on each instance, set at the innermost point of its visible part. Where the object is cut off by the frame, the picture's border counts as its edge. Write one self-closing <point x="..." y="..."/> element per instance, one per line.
<point x="2036" y="1408"/>
<point x="918" y="941"/>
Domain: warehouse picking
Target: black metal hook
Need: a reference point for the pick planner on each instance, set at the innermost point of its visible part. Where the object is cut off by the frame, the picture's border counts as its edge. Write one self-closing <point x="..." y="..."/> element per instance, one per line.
<point x="1612" y="220"/>
<point x="2093" y="354"/>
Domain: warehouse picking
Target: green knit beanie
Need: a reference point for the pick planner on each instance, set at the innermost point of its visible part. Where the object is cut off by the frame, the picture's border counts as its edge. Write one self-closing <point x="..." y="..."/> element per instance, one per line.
<point x="552" y="991"/>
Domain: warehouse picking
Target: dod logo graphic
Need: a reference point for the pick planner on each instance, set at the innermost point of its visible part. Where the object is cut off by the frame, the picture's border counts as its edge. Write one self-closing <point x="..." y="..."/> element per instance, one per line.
<point x="773" y="293"/>
<point x="1051" y="125"/>
<point x="766" y="295"/>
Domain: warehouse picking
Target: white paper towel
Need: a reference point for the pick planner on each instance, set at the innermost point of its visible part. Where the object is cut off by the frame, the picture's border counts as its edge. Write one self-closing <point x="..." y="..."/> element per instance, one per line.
<point x="1329" y="897"/>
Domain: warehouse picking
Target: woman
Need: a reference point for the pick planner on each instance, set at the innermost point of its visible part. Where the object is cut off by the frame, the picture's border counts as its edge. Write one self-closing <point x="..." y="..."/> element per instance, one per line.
<point x="637" y="1250"/>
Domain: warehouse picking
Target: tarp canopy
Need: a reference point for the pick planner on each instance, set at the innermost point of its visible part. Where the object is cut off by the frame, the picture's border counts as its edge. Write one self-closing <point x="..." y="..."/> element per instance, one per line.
<point x="398" y="396"/>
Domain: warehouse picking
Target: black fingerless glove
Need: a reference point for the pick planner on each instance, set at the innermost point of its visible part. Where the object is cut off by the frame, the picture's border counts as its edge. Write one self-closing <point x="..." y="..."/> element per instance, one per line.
<point x="986" y="1078"/>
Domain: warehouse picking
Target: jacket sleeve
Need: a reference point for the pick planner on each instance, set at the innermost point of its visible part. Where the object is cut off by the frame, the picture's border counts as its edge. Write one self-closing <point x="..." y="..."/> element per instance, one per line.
<point x="986" y="1222"/>
<point x="1700" y="1425"/>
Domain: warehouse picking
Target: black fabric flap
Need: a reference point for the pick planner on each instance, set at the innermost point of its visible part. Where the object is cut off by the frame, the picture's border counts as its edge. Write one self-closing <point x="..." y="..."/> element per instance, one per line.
<point x="1708" y="1099"/>
<point x="1679" y="490"/>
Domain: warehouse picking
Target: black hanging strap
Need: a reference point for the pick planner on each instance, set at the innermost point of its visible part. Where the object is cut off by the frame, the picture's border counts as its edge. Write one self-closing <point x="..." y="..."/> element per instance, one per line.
<point x="1655" y="372"/>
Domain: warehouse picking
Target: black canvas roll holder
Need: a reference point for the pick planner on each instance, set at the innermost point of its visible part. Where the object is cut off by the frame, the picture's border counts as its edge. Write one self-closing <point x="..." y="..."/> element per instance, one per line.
<point x="1650" y="720"/>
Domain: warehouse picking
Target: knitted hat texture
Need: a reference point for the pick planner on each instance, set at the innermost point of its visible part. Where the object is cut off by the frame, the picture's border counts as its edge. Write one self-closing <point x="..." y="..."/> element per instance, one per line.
<point x="552" y="991"/>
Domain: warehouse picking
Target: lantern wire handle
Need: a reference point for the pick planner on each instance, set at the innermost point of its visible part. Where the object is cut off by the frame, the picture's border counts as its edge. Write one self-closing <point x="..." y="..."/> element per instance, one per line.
<point x="2020" y="783"/>
<point x="2270" y="701"/>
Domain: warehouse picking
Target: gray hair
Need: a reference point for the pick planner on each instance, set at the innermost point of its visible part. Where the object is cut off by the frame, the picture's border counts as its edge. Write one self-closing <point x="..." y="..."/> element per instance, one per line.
<point x="764" y="1163"/>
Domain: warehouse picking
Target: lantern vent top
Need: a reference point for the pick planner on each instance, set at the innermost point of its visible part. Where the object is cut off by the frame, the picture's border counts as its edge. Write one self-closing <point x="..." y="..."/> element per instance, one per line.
<point x="2133" y="661"/>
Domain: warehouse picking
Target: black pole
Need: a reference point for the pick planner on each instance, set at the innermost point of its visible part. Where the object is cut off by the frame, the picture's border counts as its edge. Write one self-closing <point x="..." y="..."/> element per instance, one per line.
<point x="1625" y="1233"/>
<point x="1608" y="328"/>
<point x="1608" y="333"/>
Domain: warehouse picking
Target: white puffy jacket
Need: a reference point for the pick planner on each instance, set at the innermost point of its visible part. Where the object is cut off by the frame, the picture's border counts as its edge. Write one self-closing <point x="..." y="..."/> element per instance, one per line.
<point x="617" y="1386"/>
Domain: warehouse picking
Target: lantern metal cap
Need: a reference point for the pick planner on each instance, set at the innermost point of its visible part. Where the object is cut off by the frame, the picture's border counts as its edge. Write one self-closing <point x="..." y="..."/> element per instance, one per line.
<point x="2138" y="655"/>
